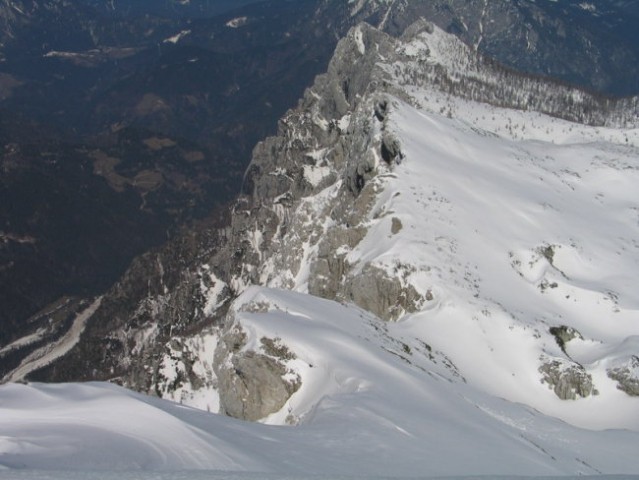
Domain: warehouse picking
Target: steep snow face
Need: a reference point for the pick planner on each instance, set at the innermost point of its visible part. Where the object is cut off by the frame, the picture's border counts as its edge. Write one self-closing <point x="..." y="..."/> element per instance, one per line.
<point x="513" y="235"/>
<point x="526" y="224"/>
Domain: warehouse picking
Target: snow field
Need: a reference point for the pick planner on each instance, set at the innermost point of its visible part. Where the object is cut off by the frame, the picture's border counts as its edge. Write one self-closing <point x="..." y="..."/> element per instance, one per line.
<point x="488" y="207"/>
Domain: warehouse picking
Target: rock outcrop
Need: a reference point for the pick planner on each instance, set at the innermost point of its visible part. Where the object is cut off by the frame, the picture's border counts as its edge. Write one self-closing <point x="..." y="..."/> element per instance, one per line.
<point x="627" y="376"/>
<point x="568" y="380"/>
<point x="251" y="384"/>
<point x="564" y="334"/>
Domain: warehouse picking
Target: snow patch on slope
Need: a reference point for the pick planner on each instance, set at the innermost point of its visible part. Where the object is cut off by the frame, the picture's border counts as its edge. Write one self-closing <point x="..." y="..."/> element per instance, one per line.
<point x="177" y="37"/>
<point x="45" y="355"/>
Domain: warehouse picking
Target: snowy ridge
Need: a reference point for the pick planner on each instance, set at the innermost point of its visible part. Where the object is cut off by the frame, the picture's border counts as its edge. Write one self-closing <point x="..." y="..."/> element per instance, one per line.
<point x="513" y="233"/>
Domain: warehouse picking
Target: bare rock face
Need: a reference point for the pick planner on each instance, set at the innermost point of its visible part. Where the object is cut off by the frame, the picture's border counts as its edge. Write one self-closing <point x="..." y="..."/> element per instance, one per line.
<point x="385" y="295"/>
<point x="252" y="385"/>
<point x="567" y="379"/>
<point x="564" y="334"/>
<point x="330" y="266"/>
<point x="627" y="376"/>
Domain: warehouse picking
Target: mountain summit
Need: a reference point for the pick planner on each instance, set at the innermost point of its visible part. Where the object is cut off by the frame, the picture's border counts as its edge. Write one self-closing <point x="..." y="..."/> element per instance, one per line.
<point x="586" y="43"/>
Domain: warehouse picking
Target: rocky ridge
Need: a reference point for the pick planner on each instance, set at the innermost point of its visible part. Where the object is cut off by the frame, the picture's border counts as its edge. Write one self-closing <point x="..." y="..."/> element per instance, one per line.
<point x="563" y="39"/>
<point x="535" y="37"/>
<point x="309" y="199"/>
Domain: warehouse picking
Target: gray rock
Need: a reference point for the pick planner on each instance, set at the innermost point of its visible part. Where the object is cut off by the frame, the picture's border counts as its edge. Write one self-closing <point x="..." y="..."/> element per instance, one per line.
<point x="564" y="334"/>
<point x="627" y="376"/>
<point x="251" y="385"/>
<point x="396" y="225"/>
<point x="386" y="296"/>
<point x="391" y="149"/>
<point x="330" y="267"/>
<point x="567" y="379"/>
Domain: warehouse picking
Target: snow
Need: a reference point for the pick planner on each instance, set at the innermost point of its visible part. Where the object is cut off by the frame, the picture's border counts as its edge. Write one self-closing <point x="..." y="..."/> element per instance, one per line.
<point x="214" y="293"/>
<point x="237" y="22"/>
<point x="589" y="7"/>
<point x="45" y="355"/>
<point x="220" y="475"/>
<point x="357" y="8"/>
<point x="315" y="174"/>
<point x="362" y="3"/>
<point x="373" y="401"/>
<point x="198" y="352"/>
<point x="490" y="202"/>
<point x="101" y="427"/>
<point x="359" y="40"/>
<point x="177" y="37"/>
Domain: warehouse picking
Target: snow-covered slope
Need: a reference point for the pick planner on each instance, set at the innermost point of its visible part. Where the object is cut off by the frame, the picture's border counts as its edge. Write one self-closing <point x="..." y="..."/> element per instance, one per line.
<point x="515" y="237"/>
<point x="372" y="402"/>
<point x="505" y="238"/>
<point x="477" y="264"/>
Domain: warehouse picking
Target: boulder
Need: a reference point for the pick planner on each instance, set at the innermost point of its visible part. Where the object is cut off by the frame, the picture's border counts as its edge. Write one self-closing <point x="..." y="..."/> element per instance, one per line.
<point x="567" y="379"/>
<point x="627" y="376"/>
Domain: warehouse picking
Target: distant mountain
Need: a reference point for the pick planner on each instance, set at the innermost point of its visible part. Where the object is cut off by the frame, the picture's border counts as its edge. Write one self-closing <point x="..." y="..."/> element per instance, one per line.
<point x="593" y="44"/>
<point x="170" y="8"/>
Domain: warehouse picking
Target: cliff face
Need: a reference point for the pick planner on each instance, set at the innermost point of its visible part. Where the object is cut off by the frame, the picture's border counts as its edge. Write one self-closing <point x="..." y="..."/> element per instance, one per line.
<point x="274" y="228"/>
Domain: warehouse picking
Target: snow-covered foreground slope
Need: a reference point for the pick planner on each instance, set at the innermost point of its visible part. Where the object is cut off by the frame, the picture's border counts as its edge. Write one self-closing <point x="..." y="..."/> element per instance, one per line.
<point x="369" y="404"/>
<point x="374" y="400"/>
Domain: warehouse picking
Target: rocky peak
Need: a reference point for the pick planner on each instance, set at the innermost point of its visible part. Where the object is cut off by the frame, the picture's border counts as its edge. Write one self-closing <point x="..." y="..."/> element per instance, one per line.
<point x="306" y="194"/>
<point x="576" y="41"/>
